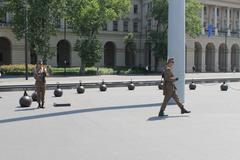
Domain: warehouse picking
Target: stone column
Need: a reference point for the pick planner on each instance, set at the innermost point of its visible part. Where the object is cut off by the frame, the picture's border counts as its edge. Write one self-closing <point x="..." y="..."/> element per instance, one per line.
<point x="202" y="16"/>
<point x="228" y="59"/>
<point x="203" y="60"/>
<point x="215" y="21"/>
<point x="216" y="65"/>
<point x="228" y="22"/>
<point x="176" y="42"/>
<point x="239" y="23"/>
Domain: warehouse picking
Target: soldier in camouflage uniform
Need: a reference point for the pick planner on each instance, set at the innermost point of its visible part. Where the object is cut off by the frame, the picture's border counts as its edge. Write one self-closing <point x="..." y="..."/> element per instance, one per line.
<point x="40" y="73"/>
<point x="169" y="89"/>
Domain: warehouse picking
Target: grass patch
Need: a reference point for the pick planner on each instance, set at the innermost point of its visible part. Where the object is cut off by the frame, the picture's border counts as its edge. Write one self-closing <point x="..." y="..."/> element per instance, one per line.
<point x="20" y="70"/>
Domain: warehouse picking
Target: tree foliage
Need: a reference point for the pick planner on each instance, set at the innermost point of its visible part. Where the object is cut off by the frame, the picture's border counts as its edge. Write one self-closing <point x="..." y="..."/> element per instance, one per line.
<point x="193" y="19"/>
<point x="129" y="41"/>
<point x="90" y="50"/>
<point x="86" y="17"/>
<point x="158" y="37"/>
<point x="37" y="18"/>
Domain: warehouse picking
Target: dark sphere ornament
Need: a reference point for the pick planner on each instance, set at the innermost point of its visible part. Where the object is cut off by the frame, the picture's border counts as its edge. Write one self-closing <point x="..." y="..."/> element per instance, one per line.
<point x="131" y="86"/>
<point x="34" y="96"/>
<point x="80" y="88"/>
<point x="58" y="91"/>
<point x="25" y="100"/>
<point x="224" y="87"/>
<point x="192" y="86"/>
<point x="160" y="85"/>
<point x="103" y="87"/>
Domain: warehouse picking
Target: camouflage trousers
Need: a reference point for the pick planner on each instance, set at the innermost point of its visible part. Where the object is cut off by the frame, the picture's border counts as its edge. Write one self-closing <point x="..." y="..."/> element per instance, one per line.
<point x="40" y="89"/>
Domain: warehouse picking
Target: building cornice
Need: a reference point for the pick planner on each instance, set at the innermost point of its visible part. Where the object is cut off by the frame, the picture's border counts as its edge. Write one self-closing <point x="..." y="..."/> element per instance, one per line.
<point x="222" y="3"/>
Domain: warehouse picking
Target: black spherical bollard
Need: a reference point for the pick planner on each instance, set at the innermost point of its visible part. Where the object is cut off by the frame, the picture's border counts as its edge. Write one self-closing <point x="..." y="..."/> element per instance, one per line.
<point x="103" y="87"/>
<point x="80" y="88"/>
<point x="224" y="87"/>
<point x="58" y="91"/>
<point x="34" y="96"/>
<point x="160" y="85"/>
<point x="192" y="86"/>
<point x="25" y="100"/>
<point x="131" y="86"/>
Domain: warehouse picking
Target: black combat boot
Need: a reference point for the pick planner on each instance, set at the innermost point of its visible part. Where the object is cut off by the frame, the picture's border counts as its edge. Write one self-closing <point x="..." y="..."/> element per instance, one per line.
<point x="42" y="105"/>
<point x="161" y="114"/>
<point x="39" y="105"/>
<point x="183" y="111"/>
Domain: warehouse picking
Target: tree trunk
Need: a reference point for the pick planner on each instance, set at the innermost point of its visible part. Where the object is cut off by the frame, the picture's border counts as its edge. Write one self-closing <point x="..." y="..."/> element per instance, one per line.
<point x="82" y="68"/>
<point x="156" y="64"/>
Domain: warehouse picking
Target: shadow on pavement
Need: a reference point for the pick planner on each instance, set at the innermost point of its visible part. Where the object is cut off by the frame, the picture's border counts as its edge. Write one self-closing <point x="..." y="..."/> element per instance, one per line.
<point x="48" y="115"/>
<point x="20" y="109"/>
<point x="156" y="118"/>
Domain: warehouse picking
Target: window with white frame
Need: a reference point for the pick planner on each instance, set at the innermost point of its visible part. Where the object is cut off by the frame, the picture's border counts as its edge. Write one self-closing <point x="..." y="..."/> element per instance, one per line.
<point x="135" y="9"/>
<point x="104" y="27"/>
<point x="125" y="26"/>
<point x="115" y="25"/>
<point x="135" y="26"/>
<point x="149" y="24"/>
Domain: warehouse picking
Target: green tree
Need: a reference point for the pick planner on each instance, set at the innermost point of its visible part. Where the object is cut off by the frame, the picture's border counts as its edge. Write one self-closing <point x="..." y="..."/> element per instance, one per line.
<point x="158" y="37"/>
<point x="86" y="17"/>
<point x="193" y="18"/>
<point x="89" y="50"/>
<point x="38" y="18"/>
<point x="129" y="41"/>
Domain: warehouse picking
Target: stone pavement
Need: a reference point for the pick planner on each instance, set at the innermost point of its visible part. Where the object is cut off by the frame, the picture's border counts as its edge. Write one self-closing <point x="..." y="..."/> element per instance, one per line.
<point x="122" y="125"/>
<point x="116" y="78"/>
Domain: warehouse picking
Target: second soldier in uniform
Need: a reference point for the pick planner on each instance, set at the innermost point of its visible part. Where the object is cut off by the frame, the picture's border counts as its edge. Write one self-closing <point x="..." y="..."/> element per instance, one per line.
<point x="40" y="73"/>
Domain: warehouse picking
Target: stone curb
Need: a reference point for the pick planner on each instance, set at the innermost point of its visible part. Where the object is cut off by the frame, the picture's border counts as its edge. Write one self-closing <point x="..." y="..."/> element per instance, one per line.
<point x="6" y="88"/>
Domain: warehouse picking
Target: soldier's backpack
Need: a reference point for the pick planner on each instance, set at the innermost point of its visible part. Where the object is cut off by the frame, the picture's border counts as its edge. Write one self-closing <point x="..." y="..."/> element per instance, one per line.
<point x="162" y="72"/>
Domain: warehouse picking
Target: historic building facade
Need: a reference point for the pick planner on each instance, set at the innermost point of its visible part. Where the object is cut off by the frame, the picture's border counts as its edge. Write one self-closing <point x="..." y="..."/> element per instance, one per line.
<point x="217" y="53"/>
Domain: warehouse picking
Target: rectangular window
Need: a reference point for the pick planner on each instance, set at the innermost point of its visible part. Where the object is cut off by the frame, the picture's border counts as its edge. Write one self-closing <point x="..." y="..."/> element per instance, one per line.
<point x="218" y="14"/>
<point x="205" y="24"/>
<point x="104" y="27"/>
<point x="149" y="25"/>
<point x="238" y="14"/>
<point x="115" y="25"/>
<point x="205" y="10"/>
<point x="57" y="22"/>
<point x="3" y="18"/>
<point x="149" y="7"/>
<point x="1" y="57"/>
<point x="69" y="26"/>
<point x="125" y="26"/>
<point x="135" y="27"/>
<point x="135" y="9"/>
<point x="225" y="24"/>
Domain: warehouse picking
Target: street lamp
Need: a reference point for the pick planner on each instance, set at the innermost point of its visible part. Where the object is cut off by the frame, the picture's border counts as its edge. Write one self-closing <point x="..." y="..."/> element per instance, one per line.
<point x="65" y="65"/>
<point x="26" y="41"/>
<point x="225" y="48"/>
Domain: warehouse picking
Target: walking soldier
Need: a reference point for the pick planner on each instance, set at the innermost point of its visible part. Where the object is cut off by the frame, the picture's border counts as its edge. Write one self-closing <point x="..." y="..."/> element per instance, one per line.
<point x="169" y="89"/>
